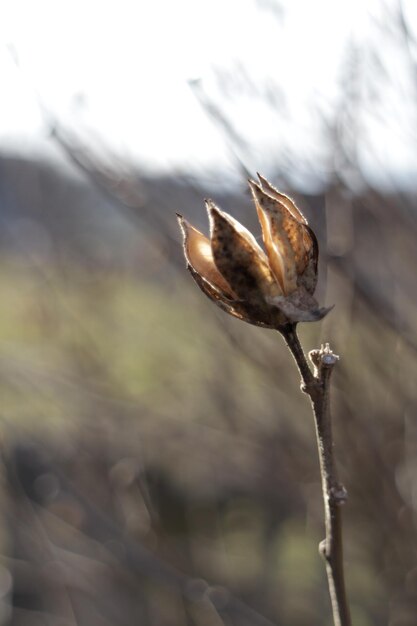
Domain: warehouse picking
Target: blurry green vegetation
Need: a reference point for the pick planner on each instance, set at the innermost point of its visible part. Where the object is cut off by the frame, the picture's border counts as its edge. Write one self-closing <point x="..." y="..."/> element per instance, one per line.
<point x="125" y="338"/>
<point x="187" y="428"/>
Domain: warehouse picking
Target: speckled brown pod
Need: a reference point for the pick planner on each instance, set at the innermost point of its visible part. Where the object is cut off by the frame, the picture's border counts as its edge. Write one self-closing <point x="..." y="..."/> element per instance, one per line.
<point x="269" y="289"/>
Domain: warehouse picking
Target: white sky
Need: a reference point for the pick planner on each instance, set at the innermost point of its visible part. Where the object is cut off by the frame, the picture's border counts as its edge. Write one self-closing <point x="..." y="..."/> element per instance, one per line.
<point x="120" y="71"/>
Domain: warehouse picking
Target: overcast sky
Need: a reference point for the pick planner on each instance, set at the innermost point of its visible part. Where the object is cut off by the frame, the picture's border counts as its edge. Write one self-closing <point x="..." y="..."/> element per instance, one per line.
<point x="120" y="71"/>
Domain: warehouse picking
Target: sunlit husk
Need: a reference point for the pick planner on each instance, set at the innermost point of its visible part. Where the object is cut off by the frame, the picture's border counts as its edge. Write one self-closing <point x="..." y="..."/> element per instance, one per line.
<point x="239" y="258"/>
<point x="302" y="240"/>
<point x="307" y="277"/>
<point x="197" y="250"/>
<point x="281" y="197"/>
<point x="269" y="290"/>
<point x="282" y="237"/>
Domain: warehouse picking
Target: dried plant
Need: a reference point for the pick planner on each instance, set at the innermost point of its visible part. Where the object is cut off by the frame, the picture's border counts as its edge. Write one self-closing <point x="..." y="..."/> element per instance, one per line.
<point x="274" y="289"/>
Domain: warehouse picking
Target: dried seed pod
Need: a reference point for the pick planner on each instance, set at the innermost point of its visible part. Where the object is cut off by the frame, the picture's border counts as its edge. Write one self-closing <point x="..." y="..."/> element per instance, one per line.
<point x="272" y="289"/>
<point x="239" y="258"/>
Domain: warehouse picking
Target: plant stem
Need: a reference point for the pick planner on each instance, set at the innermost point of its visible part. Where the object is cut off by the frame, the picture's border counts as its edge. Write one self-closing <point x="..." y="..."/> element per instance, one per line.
<point x="316" y="385"/>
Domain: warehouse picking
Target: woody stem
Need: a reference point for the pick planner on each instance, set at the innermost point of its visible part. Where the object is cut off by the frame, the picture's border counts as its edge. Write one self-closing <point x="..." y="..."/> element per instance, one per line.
<point x="317" y="386"/>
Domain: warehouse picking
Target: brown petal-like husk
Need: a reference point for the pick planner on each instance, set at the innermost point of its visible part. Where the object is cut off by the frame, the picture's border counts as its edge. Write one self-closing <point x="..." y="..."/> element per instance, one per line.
<point x="281" y="197"/>
<point x="197" y="250"/>
<point x="308" y="278"/>
<point x="300" y="306"/>
<point x="283" y="237"/>
<point x="235" y="308"/>
<point x="239" y="258"/>
<point x="281" y="227"/>
<point x="307" y="262"/>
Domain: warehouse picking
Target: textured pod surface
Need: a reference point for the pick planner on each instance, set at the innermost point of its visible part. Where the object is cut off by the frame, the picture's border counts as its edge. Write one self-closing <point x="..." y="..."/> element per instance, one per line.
<point x="308" y="278"/>
<point x="197" y="250"/>
<point x="241" y="310"/>
<point x="269" y="289"/>
<point x="300" y="306"/>
<point x="281" y="197"/>
<point x="283" y="238"/>
<point x="239" y="258"/>
<point x="282" y="221"/>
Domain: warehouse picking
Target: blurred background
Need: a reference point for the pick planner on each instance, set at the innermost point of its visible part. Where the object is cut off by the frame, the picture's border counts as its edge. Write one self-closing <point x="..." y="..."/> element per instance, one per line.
<point x="158" y="461"/>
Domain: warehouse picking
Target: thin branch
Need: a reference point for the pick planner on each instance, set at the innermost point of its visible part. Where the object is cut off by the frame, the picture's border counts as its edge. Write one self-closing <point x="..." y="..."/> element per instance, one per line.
<point x="317" y="386"/>
<point x="291" y="339"/>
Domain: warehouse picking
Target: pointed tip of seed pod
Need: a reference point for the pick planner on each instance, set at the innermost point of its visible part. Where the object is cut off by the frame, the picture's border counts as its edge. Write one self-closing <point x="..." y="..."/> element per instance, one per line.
<point x="264" y="183"/>
<point x="254" y="186"/>
<point x="214" y="213"/>
<point x="182" y="223"/>
<point x="317" y="315"/>
<point x="324" y="311"/>
<point x="257" y="191"/>
<point x="184" y="228"/>
<point x="211" y="207"/>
